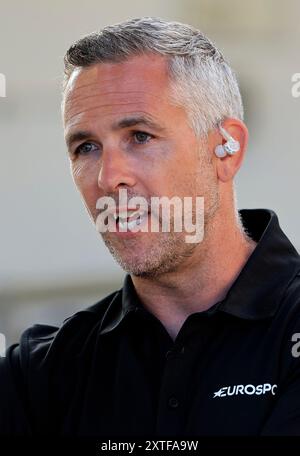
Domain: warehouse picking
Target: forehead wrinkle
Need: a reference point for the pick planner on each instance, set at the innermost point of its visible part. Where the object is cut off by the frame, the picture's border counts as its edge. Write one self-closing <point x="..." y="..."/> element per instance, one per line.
<point x="73" y="87"/>
<point x="84" y="125"/>
<point x="114" y="73"/>
<point x="95" y="89"/>
<point x="71" y="98"/>
<point x="133" y="113"/>
<point x="73" y="125"/>
<point x="71" y="115"/>
<point x="69" y="110"/>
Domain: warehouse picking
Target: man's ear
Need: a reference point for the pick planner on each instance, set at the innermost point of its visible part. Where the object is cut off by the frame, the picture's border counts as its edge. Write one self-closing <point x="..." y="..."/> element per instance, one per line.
<point x="228" y="166"/>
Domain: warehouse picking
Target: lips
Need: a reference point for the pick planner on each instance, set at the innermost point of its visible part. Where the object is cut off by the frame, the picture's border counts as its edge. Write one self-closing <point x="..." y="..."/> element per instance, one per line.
<point x="129" y="219"/>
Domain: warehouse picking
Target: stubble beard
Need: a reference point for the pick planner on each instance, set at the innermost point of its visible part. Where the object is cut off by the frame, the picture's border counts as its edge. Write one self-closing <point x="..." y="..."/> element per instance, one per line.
<point x="164" y="253"/>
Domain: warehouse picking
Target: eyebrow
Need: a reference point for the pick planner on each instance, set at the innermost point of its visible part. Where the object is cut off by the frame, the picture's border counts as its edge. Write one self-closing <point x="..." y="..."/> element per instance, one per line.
<point x="79" y="135"/>
<point x="137" y="120"/>
<point x="127" y="122"/>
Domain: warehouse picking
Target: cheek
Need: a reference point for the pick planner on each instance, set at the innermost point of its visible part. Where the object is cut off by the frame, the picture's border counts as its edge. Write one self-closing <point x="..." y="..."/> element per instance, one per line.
<point x="83" y="173"/>
<point x="182" y="178"/>
<point x="85" y="179"/>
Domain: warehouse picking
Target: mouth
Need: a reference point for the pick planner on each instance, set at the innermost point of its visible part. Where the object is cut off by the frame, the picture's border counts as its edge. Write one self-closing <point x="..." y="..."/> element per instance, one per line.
<point x="130" y="220"/>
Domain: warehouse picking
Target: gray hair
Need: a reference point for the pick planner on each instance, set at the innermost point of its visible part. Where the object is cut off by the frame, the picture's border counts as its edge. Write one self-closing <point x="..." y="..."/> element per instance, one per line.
<point x="200" y="78"/>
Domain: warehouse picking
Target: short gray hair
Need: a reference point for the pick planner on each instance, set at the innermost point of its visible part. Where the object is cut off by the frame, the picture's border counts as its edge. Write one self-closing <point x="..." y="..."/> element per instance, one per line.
<point x="201" y="79"/>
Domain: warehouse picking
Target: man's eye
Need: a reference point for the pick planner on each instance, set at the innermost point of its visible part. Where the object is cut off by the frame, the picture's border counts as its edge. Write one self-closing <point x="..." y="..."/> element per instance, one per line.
<point x="141" y="137"/>
<point x="85" y="148"/>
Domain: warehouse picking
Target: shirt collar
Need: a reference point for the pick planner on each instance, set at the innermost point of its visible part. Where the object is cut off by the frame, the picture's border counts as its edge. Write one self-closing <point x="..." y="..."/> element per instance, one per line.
<point x="260" y="286"/>
<point x="124" y="302"/>
<point x="257" y="291"/>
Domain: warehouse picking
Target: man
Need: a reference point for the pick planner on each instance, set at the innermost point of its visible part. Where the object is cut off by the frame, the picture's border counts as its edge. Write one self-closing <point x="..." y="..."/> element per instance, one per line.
<point x="201" y="338"/>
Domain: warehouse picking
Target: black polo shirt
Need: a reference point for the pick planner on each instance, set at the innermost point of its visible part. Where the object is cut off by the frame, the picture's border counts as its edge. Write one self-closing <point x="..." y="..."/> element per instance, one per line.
<point x="113" y="370"/>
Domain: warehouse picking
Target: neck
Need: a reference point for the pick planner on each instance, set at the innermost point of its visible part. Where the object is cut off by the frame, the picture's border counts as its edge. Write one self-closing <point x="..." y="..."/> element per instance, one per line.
<point x="204" y="279"/>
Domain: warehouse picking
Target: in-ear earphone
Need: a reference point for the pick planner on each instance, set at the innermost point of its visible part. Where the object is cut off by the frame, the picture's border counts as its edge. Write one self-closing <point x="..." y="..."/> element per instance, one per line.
<point x="230" y="147"/>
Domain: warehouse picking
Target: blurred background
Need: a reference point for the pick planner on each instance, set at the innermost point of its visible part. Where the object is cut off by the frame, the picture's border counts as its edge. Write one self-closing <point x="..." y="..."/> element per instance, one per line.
<point x="52" y="260"/>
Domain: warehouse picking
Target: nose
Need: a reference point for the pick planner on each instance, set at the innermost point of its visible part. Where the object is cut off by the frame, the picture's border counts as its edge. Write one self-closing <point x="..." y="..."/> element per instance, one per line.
<point x="115" y="171"/>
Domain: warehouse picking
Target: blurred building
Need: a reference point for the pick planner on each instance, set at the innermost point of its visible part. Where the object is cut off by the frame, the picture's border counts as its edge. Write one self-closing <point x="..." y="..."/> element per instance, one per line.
<point x="52" y="260"/>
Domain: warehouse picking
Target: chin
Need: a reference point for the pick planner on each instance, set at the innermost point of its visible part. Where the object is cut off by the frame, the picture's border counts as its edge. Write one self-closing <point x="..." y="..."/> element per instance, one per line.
<point x="138" y="268"/>
<point x="153" y="259"/>
<point x="150" y="267"/>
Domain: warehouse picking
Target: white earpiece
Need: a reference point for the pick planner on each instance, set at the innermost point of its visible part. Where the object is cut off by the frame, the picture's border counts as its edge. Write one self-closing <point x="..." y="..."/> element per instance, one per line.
<point x="230" y="147"/>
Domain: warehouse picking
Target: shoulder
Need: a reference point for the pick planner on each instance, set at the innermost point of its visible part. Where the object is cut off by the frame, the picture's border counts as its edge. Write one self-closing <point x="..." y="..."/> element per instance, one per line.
<point x="43" y="342"/>
<point x="44" y="355"/>
<point x="44" y="345"/>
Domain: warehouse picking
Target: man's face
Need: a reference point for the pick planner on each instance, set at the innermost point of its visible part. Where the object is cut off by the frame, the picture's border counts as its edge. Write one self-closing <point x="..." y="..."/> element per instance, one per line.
<point x="136" y="139"/>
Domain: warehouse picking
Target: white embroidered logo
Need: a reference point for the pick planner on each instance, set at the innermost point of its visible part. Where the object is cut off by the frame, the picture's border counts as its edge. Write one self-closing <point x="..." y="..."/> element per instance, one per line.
<point x="245" y="389"/>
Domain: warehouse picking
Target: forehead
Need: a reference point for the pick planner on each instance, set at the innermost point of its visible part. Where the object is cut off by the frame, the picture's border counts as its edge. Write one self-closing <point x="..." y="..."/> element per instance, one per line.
<point x="134" y="84"/>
